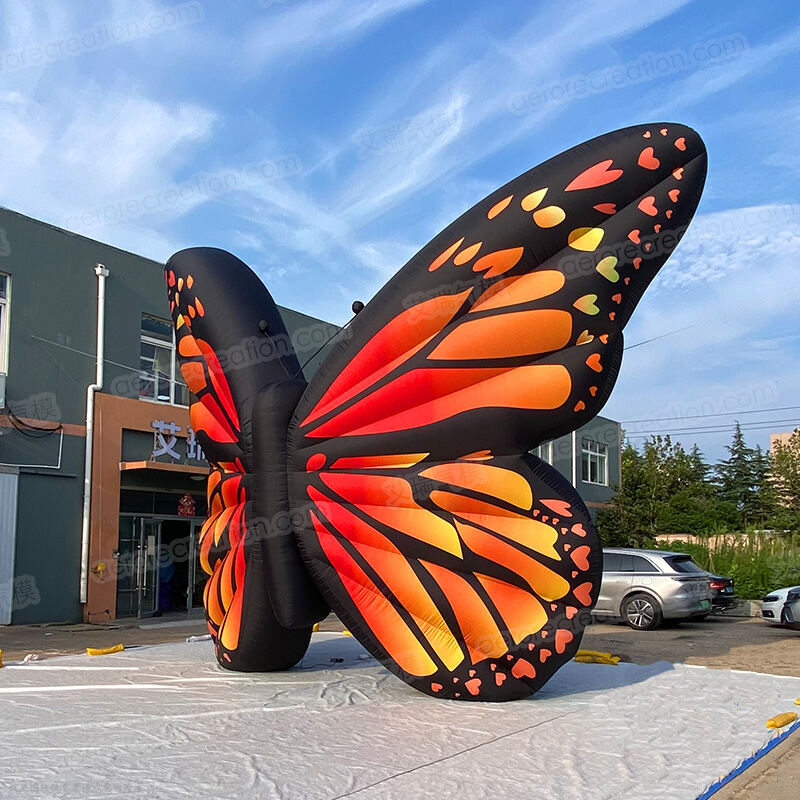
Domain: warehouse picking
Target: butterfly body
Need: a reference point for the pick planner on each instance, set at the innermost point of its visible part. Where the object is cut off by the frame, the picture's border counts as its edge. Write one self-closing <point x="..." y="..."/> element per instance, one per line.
<point x="397" y="488"/>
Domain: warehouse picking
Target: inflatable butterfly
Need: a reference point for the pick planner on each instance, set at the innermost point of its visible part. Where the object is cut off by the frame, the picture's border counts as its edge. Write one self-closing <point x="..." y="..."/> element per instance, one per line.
<point x="398" y="487"/>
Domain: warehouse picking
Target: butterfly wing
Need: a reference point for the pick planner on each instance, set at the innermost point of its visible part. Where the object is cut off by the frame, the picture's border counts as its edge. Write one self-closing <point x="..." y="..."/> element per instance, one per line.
<point x="259" y="602"/>
<point x="505" y="331"/>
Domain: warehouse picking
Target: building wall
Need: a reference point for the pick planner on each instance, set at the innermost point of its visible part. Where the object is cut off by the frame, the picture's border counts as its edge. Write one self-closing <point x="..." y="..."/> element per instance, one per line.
<point x="567" y="460"/>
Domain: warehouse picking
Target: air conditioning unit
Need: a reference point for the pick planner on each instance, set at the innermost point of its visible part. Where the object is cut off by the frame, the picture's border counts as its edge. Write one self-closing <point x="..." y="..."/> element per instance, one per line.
<point x="2" y="390"/>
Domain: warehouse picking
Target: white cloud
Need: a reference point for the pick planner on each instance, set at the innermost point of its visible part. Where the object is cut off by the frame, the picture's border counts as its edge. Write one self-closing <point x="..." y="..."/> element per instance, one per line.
<point x="79" y="158"/>
<point x="706" y="82"/>
<point x="308" y="28"/>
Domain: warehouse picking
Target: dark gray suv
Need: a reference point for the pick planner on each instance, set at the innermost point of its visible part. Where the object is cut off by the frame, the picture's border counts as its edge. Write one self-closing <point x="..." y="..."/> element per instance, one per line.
<point x="645" y="587"/>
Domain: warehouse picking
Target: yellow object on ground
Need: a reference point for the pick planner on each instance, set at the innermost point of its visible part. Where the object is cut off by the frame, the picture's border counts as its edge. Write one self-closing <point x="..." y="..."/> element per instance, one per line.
<point x="346" y="632"/>
<point x="597" y="653"/>
<point x="1" y="658"/>
<point x="104" y="651"/>
<point x="315" y="628"/>
<point x="782" y="720"/>
<point x="796" y="702"/>
<point x="595" y="657"/>
<point x="613" y="660"/>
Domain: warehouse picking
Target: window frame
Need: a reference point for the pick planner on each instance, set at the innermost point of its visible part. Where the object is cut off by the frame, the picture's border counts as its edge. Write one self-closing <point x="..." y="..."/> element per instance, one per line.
<point x="544" y="452"/>
<point x="5" y="324"/>
<point x="171" y="346"/>
<point x="599" y="456"/>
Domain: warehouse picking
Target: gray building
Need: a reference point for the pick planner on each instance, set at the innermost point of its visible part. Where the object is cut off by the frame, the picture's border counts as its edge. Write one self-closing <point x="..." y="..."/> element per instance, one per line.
<point x="131" y="549"/>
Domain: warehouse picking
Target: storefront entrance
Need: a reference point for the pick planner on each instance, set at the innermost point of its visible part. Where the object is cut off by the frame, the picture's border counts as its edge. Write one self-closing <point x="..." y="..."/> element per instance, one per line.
<point x="158" y="570"/>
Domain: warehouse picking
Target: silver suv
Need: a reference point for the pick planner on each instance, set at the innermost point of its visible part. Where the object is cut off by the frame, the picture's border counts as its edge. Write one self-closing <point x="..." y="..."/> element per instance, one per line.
<point x="644" y="587"/>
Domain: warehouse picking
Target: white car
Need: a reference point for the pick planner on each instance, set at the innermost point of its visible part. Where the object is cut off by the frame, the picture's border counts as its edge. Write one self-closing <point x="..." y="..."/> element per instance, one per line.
<point x="783" y="606"/>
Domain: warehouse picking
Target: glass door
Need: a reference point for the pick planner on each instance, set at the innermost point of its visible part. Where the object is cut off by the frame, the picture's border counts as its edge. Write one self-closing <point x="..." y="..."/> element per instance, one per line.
<point x="146" y="566"/>
<point x="197" y="576"/>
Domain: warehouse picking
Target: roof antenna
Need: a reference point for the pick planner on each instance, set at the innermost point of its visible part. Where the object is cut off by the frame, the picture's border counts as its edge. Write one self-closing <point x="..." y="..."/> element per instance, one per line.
<point x="357" y="307"/>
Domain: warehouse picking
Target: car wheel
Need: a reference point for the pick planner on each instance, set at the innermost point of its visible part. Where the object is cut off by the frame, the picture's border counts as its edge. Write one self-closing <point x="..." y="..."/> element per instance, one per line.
<point x="641" y="612"/>
<point x="789" y="624"/>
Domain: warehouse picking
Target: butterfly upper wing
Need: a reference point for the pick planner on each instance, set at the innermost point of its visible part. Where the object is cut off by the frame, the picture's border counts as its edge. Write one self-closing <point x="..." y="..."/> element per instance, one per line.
<point x="505" y="331"/>
<point x="259" y="601"/>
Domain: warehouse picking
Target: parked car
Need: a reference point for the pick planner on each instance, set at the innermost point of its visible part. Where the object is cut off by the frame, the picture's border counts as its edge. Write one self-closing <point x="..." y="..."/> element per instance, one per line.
<point x="783" y="606"/>
<point x="645" y="587"/>
<point x="723" y="595"/>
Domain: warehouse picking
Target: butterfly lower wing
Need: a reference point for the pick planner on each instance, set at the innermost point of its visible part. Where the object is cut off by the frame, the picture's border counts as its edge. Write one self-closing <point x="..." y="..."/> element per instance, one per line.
<point x="260" y="620"/>
<point x="469" y="579"/>
<point x="502" y="333"/>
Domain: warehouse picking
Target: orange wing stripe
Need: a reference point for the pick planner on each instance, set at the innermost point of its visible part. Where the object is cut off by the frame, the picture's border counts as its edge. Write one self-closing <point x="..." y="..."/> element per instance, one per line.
<point x="389" y="500"/>
<point x="505" y="335"/>
<point x="481" y="634"/>
<point x="424" y="396"/>
<point x="395" y="571"/>
<point x="395" y="343"/>
<point x="399" y="461"/>
<point x="543" y="581"/>
<point x="498" y="262"/>
<point x="193" y="373"/>
<point x="522" y="612"/>
<point x="219" y="380"/>
<point x="380" y="615"/>
<point x="504" y="484"/>
<point x="522" y="289"/>
<point x="528" y="532"/>
<point x="211" y="422"/>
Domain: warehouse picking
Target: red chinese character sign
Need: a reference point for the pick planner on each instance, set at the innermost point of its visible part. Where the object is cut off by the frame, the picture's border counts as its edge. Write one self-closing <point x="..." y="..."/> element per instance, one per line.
<point x="397" y="487"/>
<point x="186" y="506"/>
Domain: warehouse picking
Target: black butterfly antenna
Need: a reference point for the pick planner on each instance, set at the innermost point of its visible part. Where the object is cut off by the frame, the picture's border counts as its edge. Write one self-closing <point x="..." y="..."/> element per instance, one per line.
<point x="357" y="307"/>
<point x="263" y="327"/>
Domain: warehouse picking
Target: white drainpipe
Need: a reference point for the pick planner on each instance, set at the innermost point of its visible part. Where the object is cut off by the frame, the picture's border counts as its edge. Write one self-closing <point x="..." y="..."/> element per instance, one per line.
<point x="91" y="390"/>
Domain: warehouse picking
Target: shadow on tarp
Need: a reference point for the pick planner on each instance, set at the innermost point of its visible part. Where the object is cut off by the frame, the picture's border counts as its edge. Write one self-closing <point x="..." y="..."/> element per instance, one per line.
<point x="572" y="679"/>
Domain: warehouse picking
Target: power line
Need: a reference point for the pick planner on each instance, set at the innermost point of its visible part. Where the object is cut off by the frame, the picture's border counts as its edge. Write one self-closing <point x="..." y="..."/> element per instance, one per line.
<point x="720" y="414"/>
<point x="661" y="336"/>
<point x="701" y="431"/>
<point x="745" y="426"/>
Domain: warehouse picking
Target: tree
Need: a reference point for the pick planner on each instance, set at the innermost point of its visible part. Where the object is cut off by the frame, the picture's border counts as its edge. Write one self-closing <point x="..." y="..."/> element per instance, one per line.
<point x="765" y="498"/>
<point x="736" y="476"/>
<point x="785" y="481"/>
<point x="664" y="490"/>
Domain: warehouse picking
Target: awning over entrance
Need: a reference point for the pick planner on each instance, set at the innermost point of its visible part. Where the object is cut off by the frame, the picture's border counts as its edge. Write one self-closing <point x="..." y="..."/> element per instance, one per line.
<point x="188" y="469"/>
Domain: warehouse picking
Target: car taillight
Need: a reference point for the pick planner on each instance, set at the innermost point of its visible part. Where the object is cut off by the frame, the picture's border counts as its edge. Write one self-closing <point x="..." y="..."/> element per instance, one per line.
<point x="771" y="598"/>
<point x="717" y="584"/>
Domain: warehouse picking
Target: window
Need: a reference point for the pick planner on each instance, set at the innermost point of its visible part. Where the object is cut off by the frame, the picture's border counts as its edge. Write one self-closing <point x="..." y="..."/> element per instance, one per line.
<point x="612" y="562"/>
<point x="5" y="291"/>
<point x="159" y="377"/>
<point x="684" y="564"/>
<point x="641" y="564"/>
<point x="594" y="462"/>
<point x="626" y="562"/>
<point x="545" y="452"/>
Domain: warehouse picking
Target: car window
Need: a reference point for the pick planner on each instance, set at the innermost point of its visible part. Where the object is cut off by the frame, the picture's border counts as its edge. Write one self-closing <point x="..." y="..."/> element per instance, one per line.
<point x="683" y="564"/>
<point x="626" y="563"/>
<point x="641" y="564"/>
<point x="611" y="562"/>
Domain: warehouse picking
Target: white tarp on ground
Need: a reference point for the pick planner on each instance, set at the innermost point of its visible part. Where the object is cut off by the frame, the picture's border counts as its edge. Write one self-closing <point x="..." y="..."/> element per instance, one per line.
<point x="165" y="722"/>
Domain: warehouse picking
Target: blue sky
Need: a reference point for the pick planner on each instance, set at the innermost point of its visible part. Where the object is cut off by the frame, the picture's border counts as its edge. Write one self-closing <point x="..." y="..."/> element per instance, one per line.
<point x="325" y="141"/>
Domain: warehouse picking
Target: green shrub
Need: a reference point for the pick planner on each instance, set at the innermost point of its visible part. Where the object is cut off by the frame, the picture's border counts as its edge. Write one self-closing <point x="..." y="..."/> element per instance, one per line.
<point x="757" y="564"/>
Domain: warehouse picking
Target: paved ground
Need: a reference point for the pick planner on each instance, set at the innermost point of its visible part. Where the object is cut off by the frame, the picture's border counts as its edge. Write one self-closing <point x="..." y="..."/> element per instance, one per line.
<point x="719" y="642"/>
<point x="743" y="643"/>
